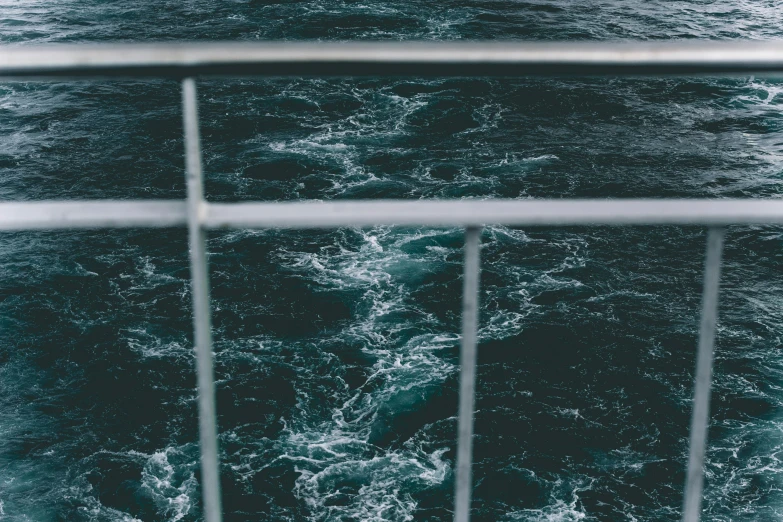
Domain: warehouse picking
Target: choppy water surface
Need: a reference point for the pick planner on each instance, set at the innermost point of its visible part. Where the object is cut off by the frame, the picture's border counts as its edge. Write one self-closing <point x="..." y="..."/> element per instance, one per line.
<point x="337" y="350"/>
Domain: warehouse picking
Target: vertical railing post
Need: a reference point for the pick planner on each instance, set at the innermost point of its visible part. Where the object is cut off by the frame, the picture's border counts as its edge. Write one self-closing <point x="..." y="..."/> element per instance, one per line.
<point x="694" y="481"/>
<point x="467" y="380"/>
<point x="202" y="323"/>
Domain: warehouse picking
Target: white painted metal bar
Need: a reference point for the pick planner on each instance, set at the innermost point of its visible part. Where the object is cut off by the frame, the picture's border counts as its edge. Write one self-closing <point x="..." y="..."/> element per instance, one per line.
<point x="32" y="215"/>
<point x="701" y="395"/>
<point x="467" y="380"/>
<point x="28" y="215"/>
<point x="202" y="321"/>
<point x="390" y="58"/>
<point x="465" y="213"/>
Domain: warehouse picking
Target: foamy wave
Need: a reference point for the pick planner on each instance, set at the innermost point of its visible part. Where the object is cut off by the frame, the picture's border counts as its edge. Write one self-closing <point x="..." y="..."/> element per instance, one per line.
<point x="384" y="485"/>
<point x="559" y="509"/>
<point x="168" y="476"/>
<point x="147" y="344"/>
<point x="342" y="474"/>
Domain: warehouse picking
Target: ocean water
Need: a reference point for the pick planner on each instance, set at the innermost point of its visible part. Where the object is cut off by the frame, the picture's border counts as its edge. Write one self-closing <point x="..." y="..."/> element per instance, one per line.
<point x="337" y="351"/>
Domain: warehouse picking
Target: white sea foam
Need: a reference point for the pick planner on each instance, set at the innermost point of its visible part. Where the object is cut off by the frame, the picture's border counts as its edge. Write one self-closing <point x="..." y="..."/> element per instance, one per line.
<point x="167" y="476"/>
<point x="558" y="510"/>
<point x="172" y="486"/>
<point x="335" y="457"/>
<point x="148" y="344"/>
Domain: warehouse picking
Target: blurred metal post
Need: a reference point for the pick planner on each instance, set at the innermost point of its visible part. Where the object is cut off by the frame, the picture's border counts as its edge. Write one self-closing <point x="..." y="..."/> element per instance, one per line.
<point x="202" y="323"/>
<point x="701" y="395"/>
<point x="467" y="382"/>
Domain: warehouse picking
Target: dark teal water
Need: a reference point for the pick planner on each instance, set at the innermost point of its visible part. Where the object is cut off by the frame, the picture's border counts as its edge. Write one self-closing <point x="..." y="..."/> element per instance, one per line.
<point x="337" y="350"/>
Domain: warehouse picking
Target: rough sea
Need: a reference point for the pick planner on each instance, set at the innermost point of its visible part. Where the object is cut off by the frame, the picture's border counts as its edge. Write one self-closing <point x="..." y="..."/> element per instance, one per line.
<point x="337" y="351"/>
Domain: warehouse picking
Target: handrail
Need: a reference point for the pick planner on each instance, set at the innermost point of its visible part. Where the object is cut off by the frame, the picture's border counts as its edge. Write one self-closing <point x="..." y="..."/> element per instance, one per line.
<point x="65" y="214"/>
<point x="184" y="61"/>
<point x="390" y="58"/>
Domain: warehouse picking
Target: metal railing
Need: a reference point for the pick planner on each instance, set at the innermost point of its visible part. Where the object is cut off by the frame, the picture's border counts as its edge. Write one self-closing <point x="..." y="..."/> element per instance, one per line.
<point x="441" y="59"/>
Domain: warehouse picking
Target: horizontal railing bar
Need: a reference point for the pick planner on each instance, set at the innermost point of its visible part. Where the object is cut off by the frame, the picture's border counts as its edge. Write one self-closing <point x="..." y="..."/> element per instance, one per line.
<point x="390" y="58"/>
<point x="330" y="214"/>
<point x="470" y="213"/>
<point x="32" y="215"/>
